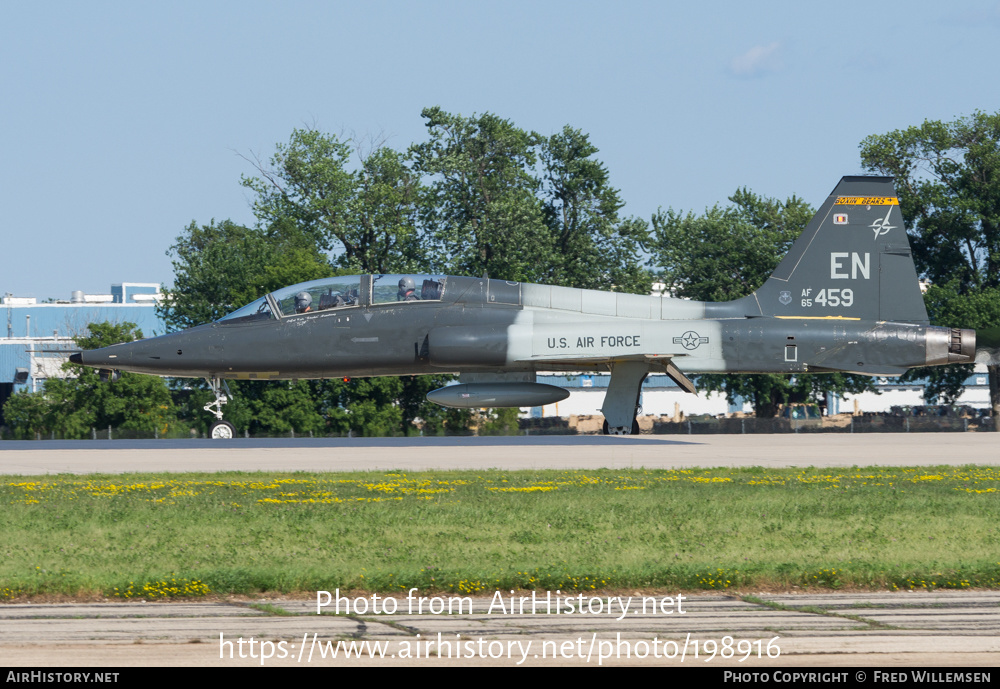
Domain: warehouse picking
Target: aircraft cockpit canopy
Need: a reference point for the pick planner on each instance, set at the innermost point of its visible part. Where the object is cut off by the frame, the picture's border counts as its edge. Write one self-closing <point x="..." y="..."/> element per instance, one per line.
<point x="387" y="289"/>
<point x="319" y="295"/>
<point x="342" y="292"/>
<point x="255" y="310"/>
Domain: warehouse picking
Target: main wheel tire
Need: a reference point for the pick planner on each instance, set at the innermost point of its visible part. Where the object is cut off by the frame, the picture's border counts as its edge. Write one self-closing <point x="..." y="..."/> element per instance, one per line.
<point x="222" y="430"/>
<point x="619" y="431"/>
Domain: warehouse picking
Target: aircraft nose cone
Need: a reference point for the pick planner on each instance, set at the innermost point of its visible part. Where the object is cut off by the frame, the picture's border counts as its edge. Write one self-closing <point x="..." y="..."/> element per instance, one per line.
<point x="117" y="356"/>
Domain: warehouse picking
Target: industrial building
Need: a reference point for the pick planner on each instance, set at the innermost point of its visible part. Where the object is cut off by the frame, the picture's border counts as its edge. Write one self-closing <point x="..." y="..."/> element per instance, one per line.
<point x="37" y="332"/>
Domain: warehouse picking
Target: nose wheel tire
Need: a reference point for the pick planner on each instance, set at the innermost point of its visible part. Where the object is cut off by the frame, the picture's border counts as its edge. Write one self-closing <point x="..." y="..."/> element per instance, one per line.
<point x="222" y="430"/>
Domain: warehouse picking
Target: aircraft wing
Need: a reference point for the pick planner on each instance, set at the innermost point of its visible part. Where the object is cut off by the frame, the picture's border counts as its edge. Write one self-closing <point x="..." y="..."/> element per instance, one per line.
<point x="654" y="359"/>
<point x="665" y="361"/>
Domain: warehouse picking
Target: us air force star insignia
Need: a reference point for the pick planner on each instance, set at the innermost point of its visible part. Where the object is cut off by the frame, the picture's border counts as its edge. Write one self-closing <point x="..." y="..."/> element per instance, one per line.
<point x="785" y="298"/>
<point x="690" y="340"/>
<point x="882" y="226"/>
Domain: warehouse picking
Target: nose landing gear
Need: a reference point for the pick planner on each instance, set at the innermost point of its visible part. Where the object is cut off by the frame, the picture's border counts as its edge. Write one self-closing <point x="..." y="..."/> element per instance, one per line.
<point x="220" y="429"/>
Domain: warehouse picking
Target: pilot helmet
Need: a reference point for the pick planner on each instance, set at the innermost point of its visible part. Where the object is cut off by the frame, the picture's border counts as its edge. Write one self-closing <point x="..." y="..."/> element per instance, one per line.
<point x="303" y="300"/>
<point x="406" y="284"/>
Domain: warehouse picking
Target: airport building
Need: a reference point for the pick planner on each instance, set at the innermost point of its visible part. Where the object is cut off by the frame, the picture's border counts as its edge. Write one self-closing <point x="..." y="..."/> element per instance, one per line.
<point x="662" y="397"/>
<point x="37" y="332"/>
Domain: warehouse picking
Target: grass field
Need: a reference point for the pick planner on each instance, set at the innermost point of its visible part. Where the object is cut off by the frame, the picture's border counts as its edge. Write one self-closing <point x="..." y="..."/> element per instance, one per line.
<point x="154" y="536"/>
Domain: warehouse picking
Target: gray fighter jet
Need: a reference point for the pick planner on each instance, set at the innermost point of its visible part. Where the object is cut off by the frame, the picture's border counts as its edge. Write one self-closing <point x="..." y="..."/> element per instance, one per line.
<point x="845" y="298"/>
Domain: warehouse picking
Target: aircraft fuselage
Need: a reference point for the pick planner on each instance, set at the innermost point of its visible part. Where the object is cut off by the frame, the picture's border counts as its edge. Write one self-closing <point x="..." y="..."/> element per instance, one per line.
<point x="469" y="334"/>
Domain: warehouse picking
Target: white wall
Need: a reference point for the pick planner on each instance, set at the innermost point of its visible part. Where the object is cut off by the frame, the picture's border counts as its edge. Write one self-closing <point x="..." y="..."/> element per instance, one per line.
<point x="660" y="402"/>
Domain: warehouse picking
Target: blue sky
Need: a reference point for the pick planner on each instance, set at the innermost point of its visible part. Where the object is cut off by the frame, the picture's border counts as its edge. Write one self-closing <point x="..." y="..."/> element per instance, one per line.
<point x="122" y="122"/>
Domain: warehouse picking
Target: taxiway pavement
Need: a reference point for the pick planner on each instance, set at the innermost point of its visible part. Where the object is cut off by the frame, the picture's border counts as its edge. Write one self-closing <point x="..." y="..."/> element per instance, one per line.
<point x="511" y="453"/>
<point x="763" y="630"/>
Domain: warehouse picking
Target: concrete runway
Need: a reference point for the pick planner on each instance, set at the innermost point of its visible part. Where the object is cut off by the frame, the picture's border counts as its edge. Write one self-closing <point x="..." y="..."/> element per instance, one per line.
<point x="869" y="629"/>
<point x="518" y="452"/>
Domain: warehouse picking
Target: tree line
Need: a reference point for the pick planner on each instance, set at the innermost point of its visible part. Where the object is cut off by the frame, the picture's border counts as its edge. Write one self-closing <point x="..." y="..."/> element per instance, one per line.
<point x="483" y="196"/>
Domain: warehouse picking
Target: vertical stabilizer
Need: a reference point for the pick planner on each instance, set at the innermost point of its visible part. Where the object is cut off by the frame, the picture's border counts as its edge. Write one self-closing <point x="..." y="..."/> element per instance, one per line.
<point x="853" y="261"/>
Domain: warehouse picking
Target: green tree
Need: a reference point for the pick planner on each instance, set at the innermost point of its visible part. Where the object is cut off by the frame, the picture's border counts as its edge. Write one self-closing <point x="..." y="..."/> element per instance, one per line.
<point x="726" y="254"/>
<point x="948" y="181"/>
<point x="366" y="217"/>
<point x="593" y="247"/>
<point x="27" y="415"/>
<point x="284" y="406"/>
<point x="221" y="267"/>
<point x="515" y="205"/>
<point x="307" y="182"/>
<point x="503" y="421"/>
<point x="384" y="214"/>
<point x="481" y="209"/>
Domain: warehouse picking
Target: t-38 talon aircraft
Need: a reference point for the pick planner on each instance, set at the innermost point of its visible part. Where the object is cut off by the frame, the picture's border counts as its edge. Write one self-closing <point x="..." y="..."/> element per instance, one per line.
<point x="845" y="298"/>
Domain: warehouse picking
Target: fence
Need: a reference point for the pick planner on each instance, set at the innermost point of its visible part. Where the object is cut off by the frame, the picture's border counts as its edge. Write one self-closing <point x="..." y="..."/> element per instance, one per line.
<point x="710" y="425"/>
<point x="648" y="426"/>
<point x="857" y="424"/>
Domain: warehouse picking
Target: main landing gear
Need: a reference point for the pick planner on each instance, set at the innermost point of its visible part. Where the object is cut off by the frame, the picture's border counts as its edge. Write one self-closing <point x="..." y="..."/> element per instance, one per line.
<point x="621" y="403"/>
<point x="220" y="429"/>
